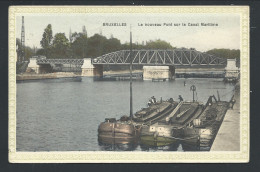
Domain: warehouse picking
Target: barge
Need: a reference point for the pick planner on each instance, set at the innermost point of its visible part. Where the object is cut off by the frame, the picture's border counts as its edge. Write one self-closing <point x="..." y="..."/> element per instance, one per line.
<point x="202" y="130"/>
<point x="127" y="129"/>
<point x="169" y="129"/>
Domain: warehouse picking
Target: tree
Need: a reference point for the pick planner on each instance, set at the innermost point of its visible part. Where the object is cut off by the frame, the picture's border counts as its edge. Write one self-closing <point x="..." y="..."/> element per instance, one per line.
<point x="111" y="45"/>
<point x="28" y="51"/>
<point x="95" y="46"/>
<point x="46" y="39"/>
<point x="40" y="52"/>
<point x="158" y="44"/>
<point x="60" y="46"/>
<point x="226" y="53"/>
<point x="78" y="45"/>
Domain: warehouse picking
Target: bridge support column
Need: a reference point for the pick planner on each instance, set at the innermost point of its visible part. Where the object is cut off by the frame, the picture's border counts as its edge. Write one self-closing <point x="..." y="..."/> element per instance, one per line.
<point x="158" y="73"/>
<point x="231" y="71"/>
<point x="33" y="66"/>
<point x="88" y="69"/>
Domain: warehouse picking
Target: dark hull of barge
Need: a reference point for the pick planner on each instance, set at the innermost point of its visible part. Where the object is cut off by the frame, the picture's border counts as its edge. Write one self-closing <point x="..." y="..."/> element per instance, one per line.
<point x="118" y="130"/>
<point x="157" y="141"/>
<point x="205" y="127"/>
<point x="164" y="133"/>
<point x="126" y="129"/>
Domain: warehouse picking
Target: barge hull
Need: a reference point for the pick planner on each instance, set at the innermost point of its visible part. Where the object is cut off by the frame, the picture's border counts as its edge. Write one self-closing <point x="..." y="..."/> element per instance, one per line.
<point x="158" y="141"/>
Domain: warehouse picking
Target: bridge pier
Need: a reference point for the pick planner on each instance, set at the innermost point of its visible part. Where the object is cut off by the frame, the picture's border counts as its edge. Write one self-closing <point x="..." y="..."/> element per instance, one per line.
<point x="158" y="72"/>
<point x="231" y="71"/>
<point x="43" y="68"/>
<point x="88" y="69"/>
<point x="33" y="66"/>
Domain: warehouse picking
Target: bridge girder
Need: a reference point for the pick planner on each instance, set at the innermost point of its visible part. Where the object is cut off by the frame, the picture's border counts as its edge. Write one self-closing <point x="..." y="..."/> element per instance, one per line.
<point x="78" y="62"/>
<point x="177" y="57"/>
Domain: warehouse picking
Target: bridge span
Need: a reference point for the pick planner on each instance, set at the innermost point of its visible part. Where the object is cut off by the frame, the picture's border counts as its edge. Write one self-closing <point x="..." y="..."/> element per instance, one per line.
<point x="176" y="57"/>
<point x="156" y="63"/>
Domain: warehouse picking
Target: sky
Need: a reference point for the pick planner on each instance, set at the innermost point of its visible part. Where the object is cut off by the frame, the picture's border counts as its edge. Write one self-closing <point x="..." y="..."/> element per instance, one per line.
<point x="203" y="38"/>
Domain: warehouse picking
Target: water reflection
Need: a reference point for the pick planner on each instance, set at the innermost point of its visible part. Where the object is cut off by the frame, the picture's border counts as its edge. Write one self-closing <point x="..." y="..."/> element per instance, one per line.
<point x="124" y="144"/>
<point x="171" y="147"/>
<point x="118" y="144"/>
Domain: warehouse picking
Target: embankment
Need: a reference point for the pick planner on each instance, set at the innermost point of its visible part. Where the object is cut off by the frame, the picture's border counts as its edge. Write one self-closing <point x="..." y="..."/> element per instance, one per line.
<point x="228" y="136"/>
<point x="27" y="76"/>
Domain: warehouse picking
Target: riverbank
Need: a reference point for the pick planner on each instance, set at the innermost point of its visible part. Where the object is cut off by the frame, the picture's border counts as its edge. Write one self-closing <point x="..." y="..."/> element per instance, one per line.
<point x="28" y="76"/>
<point x="34" y="76"/>
<point x="228" y="136"/>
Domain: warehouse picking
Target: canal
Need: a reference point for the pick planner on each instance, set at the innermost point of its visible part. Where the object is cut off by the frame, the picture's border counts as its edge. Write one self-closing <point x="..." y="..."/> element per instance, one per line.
<point x="61" y="115"/>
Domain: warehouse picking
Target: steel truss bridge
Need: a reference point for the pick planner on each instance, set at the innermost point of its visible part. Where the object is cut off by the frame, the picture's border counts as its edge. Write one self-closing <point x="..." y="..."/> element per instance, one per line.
<point x="76" y="62"/>
<point x="176" y="57"/>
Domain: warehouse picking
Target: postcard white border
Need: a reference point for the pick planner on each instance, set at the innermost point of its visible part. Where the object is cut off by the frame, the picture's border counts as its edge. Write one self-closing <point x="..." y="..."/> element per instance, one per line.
<point x="129" y="157"/>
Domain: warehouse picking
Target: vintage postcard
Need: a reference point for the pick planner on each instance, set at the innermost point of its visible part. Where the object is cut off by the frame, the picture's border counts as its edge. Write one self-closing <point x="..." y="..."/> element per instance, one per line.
<point x="128" y="84"/>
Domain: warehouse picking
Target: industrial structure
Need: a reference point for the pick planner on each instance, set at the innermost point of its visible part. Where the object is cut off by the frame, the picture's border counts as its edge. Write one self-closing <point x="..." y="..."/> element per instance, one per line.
<point x="21" y="63"/>
<point x="21" y="48"/>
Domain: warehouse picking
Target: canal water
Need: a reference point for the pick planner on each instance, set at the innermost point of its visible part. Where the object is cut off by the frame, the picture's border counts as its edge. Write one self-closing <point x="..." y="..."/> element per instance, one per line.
<point x="57" y="115"/>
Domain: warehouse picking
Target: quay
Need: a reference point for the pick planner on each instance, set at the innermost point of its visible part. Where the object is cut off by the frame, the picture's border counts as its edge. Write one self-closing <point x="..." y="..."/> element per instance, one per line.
<point x="29" y="76"/>
<point x="56" y="75"/>
<point x="228" y="136"/>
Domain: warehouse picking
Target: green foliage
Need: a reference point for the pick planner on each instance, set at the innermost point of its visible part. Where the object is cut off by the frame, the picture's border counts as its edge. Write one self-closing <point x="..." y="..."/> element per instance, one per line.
<point x="28" y="53"/>
<point x="158" y="44"/>
<point x="46" y="40"/>
<point x="46" y="37"/>
<point x="111" y="45"/>
<point x="40" y="52"/>
<point x="60" y="46"/>
<point x="96" y="45"/>
<point x="78" y="45"/>
<point x="28" y="50"/>
<point x="225" y="53"/>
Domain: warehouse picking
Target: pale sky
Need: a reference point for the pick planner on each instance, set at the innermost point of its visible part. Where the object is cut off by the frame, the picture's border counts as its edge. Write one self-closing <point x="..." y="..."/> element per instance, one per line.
<point x="203" y="38"/>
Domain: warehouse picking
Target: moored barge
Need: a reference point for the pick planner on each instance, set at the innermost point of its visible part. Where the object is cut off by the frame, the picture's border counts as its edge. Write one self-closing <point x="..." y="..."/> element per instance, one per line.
<point x="169" y="129"/>
<point x="127" y="128"/>
<point x="203" y="129"/>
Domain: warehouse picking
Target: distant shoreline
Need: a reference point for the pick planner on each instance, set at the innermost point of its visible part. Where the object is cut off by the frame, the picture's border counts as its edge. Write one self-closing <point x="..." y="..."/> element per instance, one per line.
<point x="34" y="76"/>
